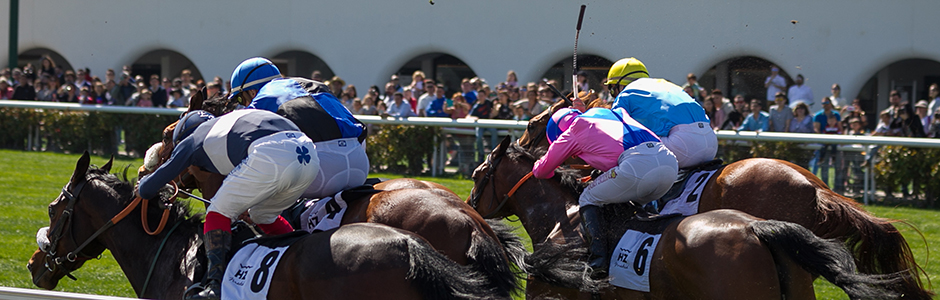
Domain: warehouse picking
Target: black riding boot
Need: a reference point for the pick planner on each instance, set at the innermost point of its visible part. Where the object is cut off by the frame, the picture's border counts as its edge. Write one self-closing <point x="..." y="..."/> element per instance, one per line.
<point x="593" y="223"/>
<point x="217" y="243"/>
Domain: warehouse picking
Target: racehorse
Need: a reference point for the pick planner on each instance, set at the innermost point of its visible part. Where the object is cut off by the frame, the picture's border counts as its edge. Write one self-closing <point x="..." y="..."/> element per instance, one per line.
<point x="428" y="209"/>
<point x="720" y="254"/>
<point x="336" y="264"/>
<point x="780" y="190"/>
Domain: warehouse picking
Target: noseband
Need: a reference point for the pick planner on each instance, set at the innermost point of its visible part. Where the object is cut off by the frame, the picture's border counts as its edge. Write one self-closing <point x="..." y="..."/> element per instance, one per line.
<point x="475" y="197"/>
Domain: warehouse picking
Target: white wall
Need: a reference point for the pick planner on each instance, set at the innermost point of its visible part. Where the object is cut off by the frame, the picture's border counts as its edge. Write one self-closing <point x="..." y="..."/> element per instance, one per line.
<point x="363" y="41"/>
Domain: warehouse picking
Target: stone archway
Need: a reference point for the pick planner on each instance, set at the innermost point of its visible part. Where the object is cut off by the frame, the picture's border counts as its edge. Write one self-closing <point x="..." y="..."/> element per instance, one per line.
<point x="35" y="55"/>
<point x="296" y="63"/>
<point x="743" y="75"/>
<point x="166" y="64"/>
<point x="594" y="66"/>
<point x="444" y="68"/>
<point x="911" y="77"/>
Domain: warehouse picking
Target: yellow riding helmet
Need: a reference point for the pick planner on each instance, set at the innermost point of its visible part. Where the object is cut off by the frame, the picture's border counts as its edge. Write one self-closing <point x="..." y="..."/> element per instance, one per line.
<point x="627" y="67"/>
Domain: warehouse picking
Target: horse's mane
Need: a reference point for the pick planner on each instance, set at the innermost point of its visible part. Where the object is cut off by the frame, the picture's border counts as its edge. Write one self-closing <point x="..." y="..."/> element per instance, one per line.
<point x="569" y="178"/>
<point x="123" y="191"/>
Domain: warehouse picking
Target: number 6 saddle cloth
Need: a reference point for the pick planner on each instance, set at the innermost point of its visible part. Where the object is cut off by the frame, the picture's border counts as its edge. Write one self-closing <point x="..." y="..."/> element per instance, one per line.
<point x="249" y="272"/>
<point x="639" y="235"/>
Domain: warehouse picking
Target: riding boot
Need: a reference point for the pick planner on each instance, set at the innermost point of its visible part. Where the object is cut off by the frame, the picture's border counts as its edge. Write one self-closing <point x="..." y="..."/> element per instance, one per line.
<point x="593" y="222"/>
<point x="217" y="243"/>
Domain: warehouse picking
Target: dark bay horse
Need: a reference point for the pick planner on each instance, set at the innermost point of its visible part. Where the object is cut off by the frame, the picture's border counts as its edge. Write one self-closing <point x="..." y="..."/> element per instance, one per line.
<point x="720" y="254"/>
<point x="428" y="209"/>
<point x="358" y="261"/>
<point x="780" y="190"/>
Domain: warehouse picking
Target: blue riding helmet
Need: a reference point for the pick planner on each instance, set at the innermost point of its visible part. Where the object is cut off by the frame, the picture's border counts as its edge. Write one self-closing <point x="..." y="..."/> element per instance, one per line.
<point x="188" y="123"/>
<point x="252" y="74"/>
<point x="560" y="122"/>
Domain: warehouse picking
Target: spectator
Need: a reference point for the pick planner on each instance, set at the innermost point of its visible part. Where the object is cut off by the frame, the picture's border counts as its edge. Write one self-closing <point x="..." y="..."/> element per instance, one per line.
<point x="417" y="84"/>
<point x="394" y="81"/>
<point x="910" y="123"/>
<point x="775" y="83"/>
<point x="723" y="104"/>
<point x="518" y="113"/>
<point x="399" y="108"/>
<point x="483" y="109"/>
<point x="709" y="105"/>
<point x="933" y="130"/>
<point x="368" y="106"/>
<point x="380" y="109"/>
<point x="855" y="127"/>
<point x="46" y="91"/>
<point x="47" y="66"/>
<point x="736" y="116"/>
<point x="836" y="96"/>
<point x="336" y="85"/>
<point x="801" y="92"/>
<point x="820" y="125"/>
<point x="67" y="93"/>
<point x="698" y="92"/>
<point x="801" y="122"/>
<point x="895" y="108"/>
<point x="469" y="92"/>
<point x="122" y="91"/>
<point x="920" y="109"/>
<point x="178" y="99"/>
<point x="141" y="86"/>
<point x="409" y="98"/>
<point x="100" y="94"/>
<point x="212" y="88"/>
<point x="758" y="120"/>
<point x="186" y="82"/>
<point x="157" y="93"/>
<point x="512" y="80"/>
<point x="6" y="91"/>
<point x="425" y="100"/>
<point x="80" y="79"/>
<point x="349" y="96"/>
<point x="583" y="84"/>
<point x="356" y="106"/>
<point x="503" y="111"/>
<point x="531" y="104"/>
<point x="390" y="91"/>
<point x="109" y="76"/>
<point x="438" y="106"/>
<point x="853" y="111"/>
<point x="934" y="93"/>
<point x="458" y="108"/>
<point x="316" y="76"/>
<point x="84" y="96"/>
<point x="22" y="87"/>
<point x="780" y="114"/>
<point x="145" y="98"/>
<point x="884" y="125"/>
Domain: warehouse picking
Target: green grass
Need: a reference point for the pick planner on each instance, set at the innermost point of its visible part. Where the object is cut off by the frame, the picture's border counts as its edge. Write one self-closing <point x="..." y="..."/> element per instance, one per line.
<point x="30" y="180"/>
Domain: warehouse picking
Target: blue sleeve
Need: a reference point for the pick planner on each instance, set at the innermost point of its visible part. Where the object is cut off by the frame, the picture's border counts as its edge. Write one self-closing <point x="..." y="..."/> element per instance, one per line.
<point x="180" y="160"/>
<point x="765" y="125"/>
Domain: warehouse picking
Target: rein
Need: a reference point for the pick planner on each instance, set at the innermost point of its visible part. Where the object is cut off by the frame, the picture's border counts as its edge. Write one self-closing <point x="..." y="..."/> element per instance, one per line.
<point x="72" y="256"/>
<point x="475" y="198"/>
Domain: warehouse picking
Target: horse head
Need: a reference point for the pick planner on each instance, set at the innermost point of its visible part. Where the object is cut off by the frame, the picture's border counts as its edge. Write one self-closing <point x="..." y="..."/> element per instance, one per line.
<point x="59" y="251"/>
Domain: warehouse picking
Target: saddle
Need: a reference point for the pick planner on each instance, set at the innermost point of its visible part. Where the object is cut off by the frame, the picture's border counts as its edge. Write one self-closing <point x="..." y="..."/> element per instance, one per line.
<point x="353" y="195"/>
<point x="682" y="179"/>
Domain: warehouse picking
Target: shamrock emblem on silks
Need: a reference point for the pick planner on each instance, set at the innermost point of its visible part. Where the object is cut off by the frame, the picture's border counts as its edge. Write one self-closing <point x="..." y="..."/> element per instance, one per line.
<point x="303" y="155"/>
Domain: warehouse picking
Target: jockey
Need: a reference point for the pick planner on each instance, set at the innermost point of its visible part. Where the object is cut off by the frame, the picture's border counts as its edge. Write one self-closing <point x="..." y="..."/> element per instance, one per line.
<point x="638" y="166"/>
<point x="268" y="163"/>
<point x="340" y="137"/>
<point x="665" y="109"/>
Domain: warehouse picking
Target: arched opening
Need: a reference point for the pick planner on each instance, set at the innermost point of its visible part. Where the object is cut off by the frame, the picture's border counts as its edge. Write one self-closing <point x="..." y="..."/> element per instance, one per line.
<point x="744" y="75"/>
<point x="443" y="68"/>
<point x="164" y="63"/>
<point x="33" y="56"/>
<point x="911" y="77"/>
<point x="297" y="63"/>
<point x="594" y="67"/>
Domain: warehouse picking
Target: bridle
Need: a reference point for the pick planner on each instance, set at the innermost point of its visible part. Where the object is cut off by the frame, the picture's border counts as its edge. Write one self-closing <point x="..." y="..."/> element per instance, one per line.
<point x="52" y="261"/>
<point x="475" y="197"/>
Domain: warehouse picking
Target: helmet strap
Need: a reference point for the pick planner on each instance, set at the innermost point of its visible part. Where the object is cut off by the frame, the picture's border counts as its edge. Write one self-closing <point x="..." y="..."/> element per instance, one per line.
<point x="241" y="87"/>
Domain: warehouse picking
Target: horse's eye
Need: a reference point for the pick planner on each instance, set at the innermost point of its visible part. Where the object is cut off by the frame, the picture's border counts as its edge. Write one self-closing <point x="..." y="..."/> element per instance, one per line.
<point x="51" y="212"/>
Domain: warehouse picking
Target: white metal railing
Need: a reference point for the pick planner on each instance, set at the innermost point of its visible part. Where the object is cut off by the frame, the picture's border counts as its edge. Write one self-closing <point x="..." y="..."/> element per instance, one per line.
<point x="460" y="126"/>
<point x="11" y="293"/>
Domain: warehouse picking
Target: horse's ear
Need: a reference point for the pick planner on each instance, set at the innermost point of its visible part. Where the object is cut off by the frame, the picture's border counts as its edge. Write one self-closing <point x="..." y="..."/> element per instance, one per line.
<point x="195" y="102"/>
<point x="81" y="168"/>
<point x="107" y="166"/>
<point x="501" y="149"/>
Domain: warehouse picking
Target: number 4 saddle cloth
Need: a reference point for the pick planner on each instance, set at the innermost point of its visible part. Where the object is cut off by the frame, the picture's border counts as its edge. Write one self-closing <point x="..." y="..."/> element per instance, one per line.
<point x="249" y="272"/>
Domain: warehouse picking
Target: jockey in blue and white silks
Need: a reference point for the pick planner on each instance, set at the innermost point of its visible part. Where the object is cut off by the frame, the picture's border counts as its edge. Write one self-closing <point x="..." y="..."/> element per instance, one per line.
<point x="666" y="109"/>
<point x="338" y="135"/>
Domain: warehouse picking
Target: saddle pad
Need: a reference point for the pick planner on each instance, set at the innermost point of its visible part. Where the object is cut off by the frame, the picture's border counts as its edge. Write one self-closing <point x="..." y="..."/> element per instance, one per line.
<point x="249" y="272"/>
<point x="687" y="202"/>
<point x="630" y="261"/>
<point x="323" y="214"/>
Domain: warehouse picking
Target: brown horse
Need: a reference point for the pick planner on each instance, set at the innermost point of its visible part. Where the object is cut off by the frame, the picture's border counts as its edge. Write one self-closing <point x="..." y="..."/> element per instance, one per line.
<point x="428" y="209"/>
<point x="720" y="254"/>
<point x="337" y="264"/>
<point x="788" y="192"/>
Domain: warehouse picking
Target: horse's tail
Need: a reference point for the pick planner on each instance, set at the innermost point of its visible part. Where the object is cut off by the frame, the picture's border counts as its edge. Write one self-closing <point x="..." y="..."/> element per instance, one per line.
<point x="511" y="242"/>
<point x="559" y="265"/>
<point x="878" y="247"/>
<point x="439" y="277"/>
<point x="828" y="258"/>
<point x="491" y="257"/>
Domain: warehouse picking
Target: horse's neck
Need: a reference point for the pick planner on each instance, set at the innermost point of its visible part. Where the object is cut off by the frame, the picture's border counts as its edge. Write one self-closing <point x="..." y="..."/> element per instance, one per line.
<point x="551" y="216"/>
<point x="135" y="251"/>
